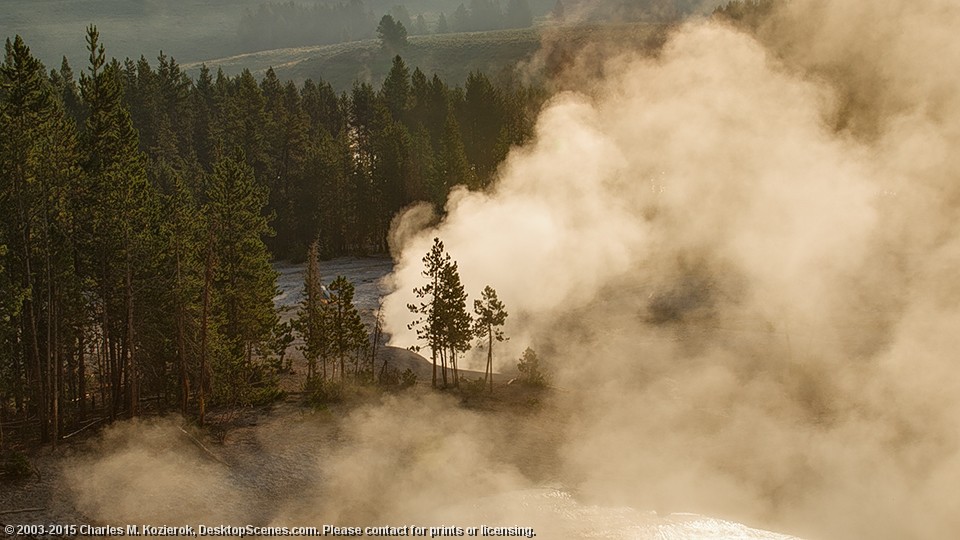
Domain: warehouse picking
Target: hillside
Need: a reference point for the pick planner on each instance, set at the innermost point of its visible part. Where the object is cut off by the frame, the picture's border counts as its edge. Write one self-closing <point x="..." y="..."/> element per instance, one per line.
<point x="188" y="30"/>
<point x="451" y="56"/>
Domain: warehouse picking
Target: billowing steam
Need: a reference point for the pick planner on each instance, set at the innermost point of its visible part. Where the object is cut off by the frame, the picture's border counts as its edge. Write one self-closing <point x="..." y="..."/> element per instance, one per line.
<point x="740" y="258"/>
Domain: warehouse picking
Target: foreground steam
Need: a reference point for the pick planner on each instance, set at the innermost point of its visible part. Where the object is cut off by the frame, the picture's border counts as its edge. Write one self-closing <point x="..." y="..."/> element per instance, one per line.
<point x="740" y="258"/>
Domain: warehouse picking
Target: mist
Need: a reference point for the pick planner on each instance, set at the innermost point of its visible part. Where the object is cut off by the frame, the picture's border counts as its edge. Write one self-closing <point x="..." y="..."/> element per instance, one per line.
<point x="737" y="258"/>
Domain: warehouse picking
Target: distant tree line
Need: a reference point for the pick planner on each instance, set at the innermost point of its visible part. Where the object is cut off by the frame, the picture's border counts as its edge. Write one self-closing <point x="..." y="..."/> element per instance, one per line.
<point x="619" y="11"/>
<point x="482" y="15"/>
<point x="747" y="13"/>
<point x="140" y="209"/>
<point x="288" y="24"/>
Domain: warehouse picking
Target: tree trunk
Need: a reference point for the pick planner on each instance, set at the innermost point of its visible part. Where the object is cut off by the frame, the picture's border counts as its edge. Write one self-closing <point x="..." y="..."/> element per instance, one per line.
<point x="182" y="344"/>
<point x="116" y="391"/>
<point x="490" y="356"/>
<point x="81" y="377"/>
<point x="207" y="283"/>
<point x="40" y="398"/>
<point x="131" y="369"/>
<point x="456" y="372"/>
<point x="443" y="366"/>
<point x="38" y="384"/>
<point x="53" y="365"/>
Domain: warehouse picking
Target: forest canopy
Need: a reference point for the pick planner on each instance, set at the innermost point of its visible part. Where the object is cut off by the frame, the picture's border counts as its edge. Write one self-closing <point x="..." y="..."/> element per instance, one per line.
<point x="142" y="210"/>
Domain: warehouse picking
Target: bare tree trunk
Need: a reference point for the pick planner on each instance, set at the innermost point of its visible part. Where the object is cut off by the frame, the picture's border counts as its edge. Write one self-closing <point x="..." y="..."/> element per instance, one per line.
<point x="104" y="377"/>
<point x="133" y="381"/>
<point x="116" y="391"/>
<point x="53" y="367"/>
<point x="39" y="394"/>
<point x="38" y="387"/>
<point x="377" y="330"/>
<point x="207" y="283"/>
<point x="456" y="372"/>
<point x="490" y="356"/>
<point x="182" y="344"/>
<point x="109" y="350"/>
<point x="443" y="366"/>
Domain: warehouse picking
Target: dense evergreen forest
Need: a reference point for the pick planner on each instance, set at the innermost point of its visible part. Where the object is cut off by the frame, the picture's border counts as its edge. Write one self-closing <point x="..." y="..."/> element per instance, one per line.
<point x="141" y="211"/>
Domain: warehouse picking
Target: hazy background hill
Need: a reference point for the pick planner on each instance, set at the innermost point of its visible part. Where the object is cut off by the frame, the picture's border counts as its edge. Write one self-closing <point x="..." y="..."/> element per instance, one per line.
<point x="234" y="34"/>
<point x="188" y="30"/>
<point x="500" y="54"/>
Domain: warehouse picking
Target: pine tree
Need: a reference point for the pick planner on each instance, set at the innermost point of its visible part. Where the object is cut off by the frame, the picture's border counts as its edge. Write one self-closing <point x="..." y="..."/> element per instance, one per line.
<point x="529" y="368"/>
<point x="203" y="103"/>
<point x="483" y="123"/>
<point x="346" y="333"/>
<point x="456" y="320"/>
<point x="444" y="323"/>
<point x="462" y="20"/>
<point x="451" y="167"/>
<point x="243" y="121"/>
<point x="491" y="315"/>
<point x="442" y="26"/>
<point x="391" y="175"/>
<point x="38" y="172"/>
<point x="183" y="264"/>
<point x="367" y="119"/>
<point x="395" y="91"/>
<point x="428" y="325"/>
<point x="244" y="283"/>
<point x="287" y="143"/>
<point x="312" y="319"/>
<point x="420" y="27"/>
<point x="321" y="204"/>
<point x="123" y="218"/>
<point x="392" y="33"/>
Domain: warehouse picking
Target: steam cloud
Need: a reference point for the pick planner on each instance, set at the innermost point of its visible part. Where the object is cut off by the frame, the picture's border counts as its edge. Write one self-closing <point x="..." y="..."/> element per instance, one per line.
<point x="739" y="257"/>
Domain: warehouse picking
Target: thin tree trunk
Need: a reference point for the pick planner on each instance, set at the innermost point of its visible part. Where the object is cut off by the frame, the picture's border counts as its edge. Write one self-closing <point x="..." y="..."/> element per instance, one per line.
<point x="490" y="356"/>
<point x="131" y="369"/>
<point x="377" y="329"/>
<point x="207" y="282"/>
<point x="81" y="377"/>
<point x="456" y="372"/>
<point x="107" y="352"/>
<point x="38" y="386"/>
<point x="182" y="344"/>
<point x="443" y="366"/>
<point x="53" y="357"/>
<point x="40" y="395"/>
<point x="104" y="377"/>
<point x="116" y="391"/>
<point x="81" y="356"/>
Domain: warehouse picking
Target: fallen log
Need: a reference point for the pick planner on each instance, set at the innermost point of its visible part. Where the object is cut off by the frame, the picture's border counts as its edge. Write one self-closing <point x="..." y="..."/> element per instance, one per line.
<point x="202" y="447"/>
<point x="95" y="422"/>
